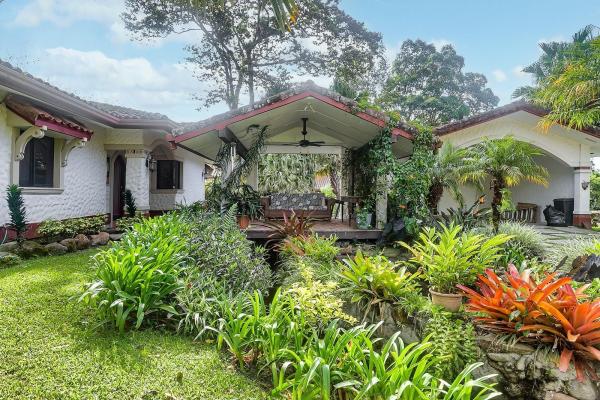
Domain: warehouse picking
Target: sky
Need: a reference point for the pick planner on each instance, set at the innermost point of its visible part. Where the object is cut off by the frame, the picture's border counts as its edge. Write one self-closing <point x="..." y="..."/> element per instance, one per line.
<point x="82" y="46"/>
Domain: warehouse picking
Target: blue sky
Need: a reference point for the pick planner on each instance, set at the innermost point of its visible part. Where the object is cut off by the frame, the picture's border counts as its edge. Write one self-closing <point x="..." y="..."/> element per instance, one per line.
<point x="81" y="45"/>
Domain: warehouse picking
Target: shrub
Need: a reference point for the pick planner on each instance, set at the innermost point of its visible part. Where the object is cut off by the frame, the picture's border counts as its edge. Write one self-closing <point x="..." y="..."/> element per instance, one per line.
<point x="130" y="205"/>
<point x="374" y="281"/>
<point x="316" y="251"/>
<point x="542" y="313"/>
<point x="318" y="300"/>
<point x="137" y="277"/>
<point x="452" y="341"/>
<point x="562" y="253"/>
<point x="8" y="259"/>
<point x="16" y="211"/>
<point x="68" y="228"/>
<point x="449" y="257"/>
<point x="125" y="223"/>
<point x="525" y="242"/>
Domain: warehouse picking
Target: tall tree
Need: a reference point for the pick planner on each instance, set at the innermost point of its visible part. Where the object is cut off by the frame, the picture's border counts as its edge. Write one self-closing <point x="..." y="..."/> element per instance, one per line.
<point x="505" y="162"/>
<point x="430" y="85"/>
<point x="554" y="54"/>
<point x="243" y="50"/>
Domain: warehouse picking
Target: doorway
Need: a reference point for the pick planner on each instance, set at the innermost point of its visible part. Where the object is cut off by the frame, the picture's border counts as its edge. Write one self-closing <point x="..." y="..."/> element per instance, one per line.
<point x="118" y="203"/>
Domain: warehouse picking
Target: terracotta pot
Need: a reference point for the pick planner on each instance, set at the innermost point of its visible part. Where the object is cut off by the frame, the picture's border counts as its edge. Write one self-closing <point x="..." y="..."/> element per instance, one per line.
<point x="450" y="302"/>
<point x="244" y="221"/>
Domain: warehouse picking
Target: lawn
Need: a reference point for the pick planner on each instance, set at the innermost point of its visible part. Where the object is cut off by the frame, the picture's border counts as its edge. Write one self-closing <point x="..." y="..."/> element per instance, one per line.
<point x="50" y="348"/>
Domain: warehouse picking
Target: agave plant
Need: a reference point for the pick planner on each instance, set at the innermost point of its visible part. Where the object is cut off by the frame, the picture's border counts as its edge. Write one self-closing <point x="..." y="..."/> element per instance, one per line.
<point x="549" y="312"/>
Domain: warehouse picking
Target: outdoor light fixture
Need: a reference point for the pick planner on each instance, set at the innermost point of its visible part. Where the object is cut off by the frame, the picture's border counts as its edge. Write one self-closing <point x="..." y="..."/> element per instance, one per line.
<point x="585" y="185"/>
<point x="150" y="162"/>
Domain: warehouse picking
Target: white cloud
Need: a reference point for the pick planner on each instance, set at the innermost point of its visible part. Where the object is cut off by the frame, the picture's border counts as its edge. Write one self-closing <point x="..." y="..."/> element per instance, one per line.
<point x="64" y="13"/>
<point x="518" y="72"/>
<point x="499" y="75"/>
<point x="129" y="82"/>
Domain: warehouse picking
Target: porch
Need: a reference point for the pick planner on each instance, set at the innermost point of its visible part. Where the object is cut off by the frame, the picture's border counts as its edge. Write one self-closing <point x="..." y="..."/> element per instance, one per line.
<point x="342" y="230"/>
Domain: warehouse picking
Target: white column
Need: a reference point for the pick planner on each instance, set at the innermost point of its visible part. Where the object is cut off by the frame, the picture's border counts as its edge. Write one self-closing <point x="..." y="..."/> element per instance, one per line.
<point x="581" y="179"/>
<point x="252" y="178"/>
<point x="381" y="202"/>
<point x="137" y="178"/>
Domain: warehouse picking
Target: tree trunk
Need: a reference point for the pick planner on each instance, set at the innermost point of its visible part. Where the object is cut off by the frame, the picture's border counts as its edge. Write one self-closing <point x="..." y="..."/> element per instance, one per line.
<point x="434" y="196"/>
<point x="250" y="79"/>
<point x="497" y="187"/>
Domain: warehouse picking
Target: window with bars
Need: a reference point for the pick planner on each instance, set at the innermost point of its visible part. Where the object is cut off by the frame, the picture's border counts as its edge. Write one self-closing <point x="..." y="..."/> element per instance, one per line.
<point x="37" y="168"/>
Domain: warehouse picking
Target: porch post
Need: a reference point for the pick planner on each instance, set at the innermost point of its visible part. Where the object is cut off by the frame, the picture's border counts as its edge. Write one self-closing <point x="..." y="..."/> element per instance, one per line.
<point x="252" y="178"/>
<point x="381" y="202"/>
<point x="581" y="193"/>
<point x="137" y="178"/>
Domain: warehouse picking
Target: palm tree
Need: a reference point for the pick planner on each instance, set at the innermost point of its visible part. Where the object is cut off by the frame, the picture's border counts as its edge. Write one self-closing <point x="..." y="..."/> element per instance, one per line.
<point x="446" y="173"/>
<point x="505" y="162"/>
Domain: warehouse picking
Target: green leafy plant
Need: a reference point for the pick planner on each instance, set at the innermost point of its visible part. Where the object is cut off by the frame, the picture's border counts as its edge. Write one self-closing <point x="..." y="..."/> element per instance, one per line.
<point x="374" y="281"/>
<point x="130" y="205"/>
<point x="247" y="201"/>
<point x="452" y="342"/>
<point x="362" y="218"/>
<point x="474" y="216"/>
<point x="138" y="276"/>
<point x="294" y="225"/>
<point x="316" y="251"/>
<point x="68" y="228"/>
<point x="448" y="257"/>
<point x="16" y="211"/>
<point x="125" y="223"/>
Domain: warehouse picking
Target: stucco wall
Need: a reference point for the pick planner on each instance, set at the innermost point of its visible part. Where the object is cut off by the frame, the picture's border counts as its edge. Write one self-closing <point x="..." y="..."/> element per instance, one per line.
<point x="560" y="185"/>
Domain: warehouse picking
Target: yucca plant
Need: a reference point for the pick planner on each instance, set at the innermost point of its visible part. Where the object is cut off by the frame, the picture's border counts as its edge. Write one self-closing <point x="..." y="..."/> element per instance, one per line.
<point x="16" y="210"/>
<point x="547" y="313"/>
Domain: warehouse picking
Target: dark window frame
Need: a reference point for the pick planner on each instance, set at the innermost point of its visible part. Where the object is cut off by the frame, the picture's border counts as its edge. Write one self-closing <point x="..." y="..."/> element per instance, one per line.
<point x="169" y="175"/>
<point x="41" y="151"/>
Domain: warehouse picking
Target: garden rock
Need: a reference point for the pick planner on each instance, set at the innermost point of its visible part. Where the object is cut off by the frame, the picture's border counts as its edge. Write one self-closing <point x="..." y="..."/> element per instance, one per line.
<point x="8" y="259"/>
<point x="56" y="249"/>
<point x="70" y="244"/>
<point x="27" y="249"/>
<point x="83" y="242"/>
<point x="10" y="247"/>
<point x="115" y="237"/>
<point x="100" y="239"/>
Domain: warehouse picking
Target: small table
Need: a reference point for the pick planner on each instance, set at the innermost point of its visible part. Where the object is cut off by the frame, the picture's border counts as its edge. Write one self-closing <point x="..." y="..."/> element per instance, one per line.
<point x="352" y="202"/>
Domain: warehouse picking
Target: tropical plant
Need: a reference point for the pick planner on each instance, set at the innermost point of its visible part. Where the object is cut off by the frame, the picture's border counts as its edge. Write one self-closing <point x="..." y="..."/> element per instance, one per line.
<point x="470" y="218"/>
<point x="294" y="225"/>
<point x="549" y="312"/>
<point x="449" y="257"/>
<point x="446" y="173"/>
<point x="373" y="282"/>
<point x="315" y="251"/>
<point x="562" y="254"/>
<point x="130" y="205"/>
<point x="246" y="200"/>
<point x="595" y="191"/>
<point x="452" y="342"/>
<point x="505" y="162"/>
<point x="137" y="277"/>
<point x="16" y="211"/>
<point x="68" y="228"/>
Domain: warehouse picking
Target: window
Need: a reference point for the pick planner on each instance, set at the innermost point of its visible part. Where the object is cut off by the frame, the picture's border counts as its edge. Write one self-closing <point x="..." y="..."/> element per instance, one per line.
<point x="168" y="174"/>
<point x="37" y="168"/>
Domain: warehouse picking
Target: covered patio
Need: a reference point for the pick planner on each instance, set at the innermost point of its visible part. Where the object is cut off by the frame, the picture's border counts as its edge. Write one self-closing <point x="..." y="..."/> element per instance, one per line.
<point x="333" y="125"/>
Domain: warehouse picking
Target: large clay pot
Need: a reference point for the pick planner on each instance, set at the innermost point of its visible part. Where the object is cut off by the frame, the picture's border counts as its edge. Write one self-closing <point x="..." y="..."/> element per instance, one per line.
<point x="244" y="221"/>
<point x="450" y="302"/>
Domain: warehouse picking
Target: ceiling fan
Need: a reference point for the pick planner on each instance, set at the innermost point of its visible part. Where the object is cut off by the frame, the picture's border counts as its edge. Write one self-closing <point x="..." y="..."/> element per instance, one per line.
<point x="305" y="142"/>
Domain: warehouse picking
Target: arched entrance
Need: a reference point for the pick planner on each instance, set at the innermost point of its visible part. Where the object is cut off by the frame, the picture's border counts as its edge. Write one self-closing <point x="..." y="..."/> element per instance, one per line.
<point x="118" y="203"/>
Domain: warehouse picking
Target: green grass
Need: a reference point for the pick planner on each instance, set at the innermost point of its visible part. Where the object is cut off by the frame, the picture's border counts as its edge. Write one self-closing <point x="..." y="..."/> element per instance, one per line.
<point x="50" y="349"/>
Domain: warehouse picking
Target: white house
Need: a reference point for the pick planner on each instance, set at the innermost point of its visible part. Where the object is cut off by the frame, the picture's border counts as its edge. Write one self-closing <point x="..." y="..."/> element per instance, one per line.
<point x="74" y="158"/>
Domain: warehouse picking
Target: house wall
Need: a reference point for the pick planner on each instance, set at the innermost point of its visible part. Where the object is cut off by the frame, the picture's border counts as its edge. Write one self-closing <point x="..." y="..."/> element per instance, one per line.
<point x="560" y="186"/>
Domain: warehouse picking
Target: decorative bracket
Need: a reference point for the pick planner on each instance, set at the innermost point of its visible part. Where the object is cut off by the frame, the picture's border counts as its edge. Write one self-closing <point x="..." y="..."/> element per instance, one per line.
<point x="68" y="146"/>
<point x="35" y="132"/>
<point x="3" y="112"/>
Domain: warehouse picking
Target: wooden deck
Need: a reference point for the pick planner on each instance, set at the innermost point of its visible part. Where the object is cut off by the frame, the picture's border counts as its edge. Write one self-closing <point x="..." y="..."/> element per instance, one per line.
<point x="335" y="227"/>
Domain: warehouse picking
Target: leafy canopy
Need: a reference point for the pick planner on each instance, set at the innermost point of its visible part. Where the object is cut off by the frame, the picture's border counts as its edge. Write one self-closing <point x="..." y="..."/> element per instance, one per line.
<point x="242" y="48"/>
<point x="430" y="85"/>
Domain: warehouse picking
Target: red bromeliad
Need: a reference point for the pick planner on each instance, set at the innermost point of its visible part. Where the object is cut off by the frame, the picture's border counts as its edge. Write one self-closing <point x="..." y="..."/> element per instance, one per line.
<point x="548" y="312"/>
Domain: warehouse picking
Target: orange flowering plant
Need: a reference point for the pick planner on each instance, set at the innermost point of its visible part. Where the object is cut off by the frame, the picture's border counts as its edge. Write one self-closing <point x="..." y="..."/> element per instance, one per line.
<point x="549" y="312"/>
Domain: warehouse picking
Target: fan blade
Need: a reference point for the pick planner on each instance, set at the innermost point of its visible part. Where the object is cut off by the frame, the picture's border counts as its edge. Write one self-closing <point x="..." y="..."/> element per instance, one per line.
<point x="319" y="142"/>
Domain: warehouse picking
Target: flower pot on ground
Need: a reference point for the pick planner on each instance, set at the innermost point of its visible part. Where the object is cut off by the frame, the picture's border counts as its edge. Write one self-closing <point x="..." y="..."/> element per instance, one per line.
<point x="243" y="221"/>
<point x="364" y="219"/>
<point x="449" y="301"/>
<point x="449" y="257"/>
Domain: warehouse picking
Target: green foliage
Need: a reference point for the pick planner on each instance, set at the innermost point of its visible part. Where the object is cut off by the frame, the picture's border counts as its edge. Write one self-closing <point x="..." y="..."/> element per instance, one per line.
<point x="430" y="85"/>
<point x="468" y="219"/>
<point x="505" y="162"/>
<point x="130" y="205"/>
<point x="448" y="257"/>
<point x="453" y="343"/>
<point x="446" y="173"/>
<point x="16" y="211"/>
<point x="374" y="281"/>
<point x="68" y="228"/>
<point x="314" y="251"/>
<point x="328" y="192"/>
<point x="8" y="259"/>
<point x="317" y="300"/>
<point x="595" y="191"/>
<point x="74" y="362"/>
<point x="246" y="200"/>
<point x="126" y="223"/>
<point x="137" y="277"/>
<point x="593" y="290"/>
<point x="562" y="253"/>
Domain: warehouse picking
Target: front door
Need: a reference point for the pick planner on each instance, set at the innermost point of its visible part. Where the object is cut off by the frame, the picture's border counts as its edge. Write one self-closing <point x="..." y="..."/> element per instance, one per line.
<point x="118" y="187"/>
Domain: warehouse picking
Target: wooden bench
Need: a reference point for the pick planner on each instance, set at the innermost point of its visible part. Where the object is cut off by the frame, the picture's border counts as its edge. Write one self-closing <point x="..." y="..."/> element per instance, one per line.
<point x="524" y="212"/>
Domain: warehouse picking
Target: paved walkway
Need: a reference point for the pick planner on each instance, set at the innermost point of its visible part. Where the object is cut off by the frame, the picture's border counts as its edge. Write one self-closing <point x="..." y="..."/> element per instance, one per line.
<point x="559" y="233"/>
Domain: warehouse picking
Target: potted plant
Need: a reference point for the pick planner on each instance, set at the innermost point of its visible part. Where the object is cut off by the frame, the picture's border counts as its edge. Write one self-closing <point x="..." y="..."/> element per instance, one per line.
<point x="247" y="201"/>
<point x="449" y="257"/>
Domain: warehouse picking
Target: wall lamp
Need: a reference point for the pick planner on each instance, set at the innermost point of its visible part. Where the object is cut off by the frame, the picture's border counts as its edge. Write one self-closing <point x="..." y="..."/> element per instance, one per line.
<point x="150" y="163"/>
<point x="585" y="185"/>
